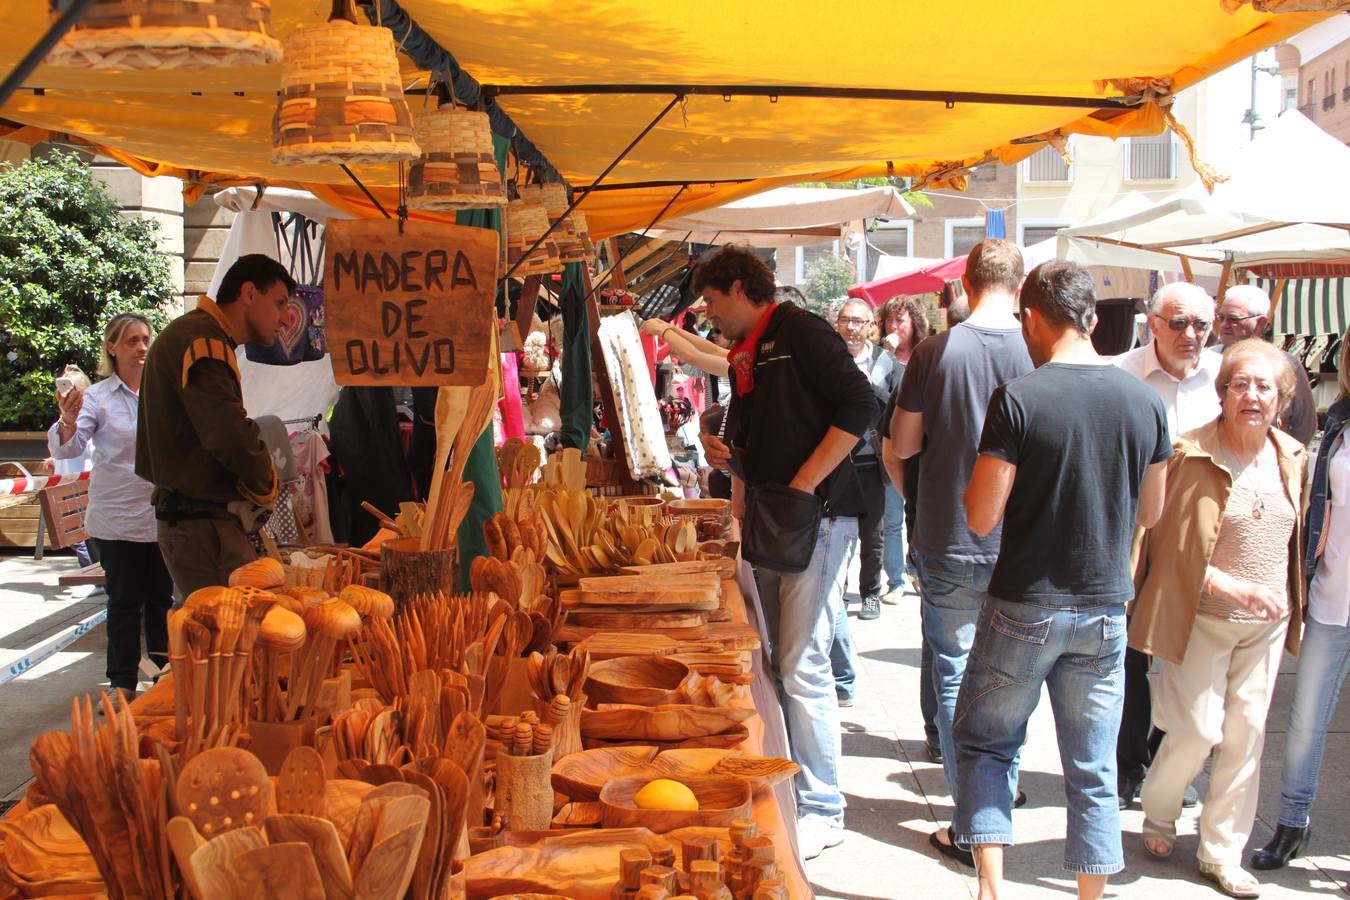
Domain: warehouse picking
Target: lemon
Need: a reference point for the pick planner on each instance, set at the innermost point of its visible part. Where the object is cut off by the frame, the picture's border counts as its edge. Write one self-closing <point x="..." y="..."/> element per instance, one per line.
<point x="664" y="793"/>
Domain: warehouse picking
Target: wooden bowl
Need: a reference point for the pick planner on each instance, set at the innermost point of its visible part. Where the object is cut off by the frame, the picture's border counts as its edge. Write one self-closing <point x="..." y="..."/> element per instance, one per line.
<point x="671" y="722"/>
<point x="645" y="680"/>
<point x="581" y="775"/>
<point x="721" y="800"/>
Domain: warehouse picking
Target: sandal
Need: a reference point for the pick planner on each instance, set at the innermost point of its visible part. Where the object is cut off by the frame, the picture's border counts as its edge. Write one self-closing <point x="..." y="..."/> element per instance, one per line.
<point x="1159" y="837"/>
<point x="1234" y="881"/>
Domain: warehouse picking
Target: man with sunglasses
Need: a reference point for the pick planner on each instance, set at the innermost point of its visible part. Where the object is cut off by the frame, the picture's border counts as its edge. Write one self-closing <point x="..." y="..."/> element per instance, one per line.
<point x="1244" y="313"/>
<point x="1175" y="365"/>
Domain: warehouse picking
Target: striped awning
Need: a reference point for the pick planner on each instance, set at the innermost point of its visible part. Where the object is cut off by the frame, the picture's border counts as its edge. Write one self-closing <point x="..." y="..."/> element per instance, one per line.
<point x="1310" y="305"/>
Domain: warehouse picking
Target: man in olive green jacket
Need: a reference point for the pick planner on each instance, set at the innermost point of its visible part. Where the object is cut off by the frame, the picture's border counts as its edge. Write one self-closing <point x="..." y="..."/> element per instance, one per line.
<point x="213" y="476"/>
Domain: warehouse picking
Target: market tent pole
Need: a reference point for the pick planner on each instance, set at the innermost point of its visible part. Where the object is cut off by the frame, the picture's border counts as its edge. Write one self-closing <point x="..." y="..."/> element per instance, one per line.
<point x="44" y="45"/>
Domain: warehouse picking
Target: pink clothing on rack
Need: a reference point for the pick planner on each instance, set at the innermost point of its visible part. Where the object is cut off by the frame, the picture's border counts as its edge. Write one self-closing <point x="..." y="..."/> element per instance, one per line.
<point x="649" y="350"/>
<point x="513" y="418"/>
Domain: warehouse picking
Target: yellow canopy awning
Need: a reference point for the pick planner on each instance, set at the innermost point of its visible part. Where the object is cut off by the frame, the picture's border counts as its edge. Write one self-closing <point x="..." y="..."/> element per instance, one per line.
<point x="214" y="127"/>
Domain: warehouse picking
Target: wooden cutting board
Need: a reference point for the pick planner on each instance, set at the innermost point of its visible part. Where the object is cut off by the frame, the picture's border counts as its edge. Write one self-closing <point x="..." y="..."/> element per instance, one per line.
<point x="613" y="621"/>
<point x="716" y="567"/>
<point x="656" y="598"/>
<point x="649" y="581"/>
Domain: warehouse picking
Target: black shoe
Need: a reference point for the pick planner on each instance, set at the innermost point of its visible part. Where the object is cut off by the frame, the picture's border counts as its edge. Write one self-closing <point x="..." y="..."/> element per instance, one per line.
<point x="1190" y="799"/>
<point x="1020" y="800"/>
<point x="950" y="850"/>
<point x="871" y="607"/>
<point x="843" y="700"/>
<point x="1127" y="789"/>
<point x="1285" y="845"/>
<point x="934" y="753"/>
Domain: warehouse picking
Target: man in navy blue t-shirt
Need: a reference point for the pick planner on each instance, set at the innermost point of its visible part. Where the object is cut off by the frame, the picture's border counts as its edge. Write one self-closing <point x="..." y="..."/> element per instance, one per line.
<point x="1071" y="458"/>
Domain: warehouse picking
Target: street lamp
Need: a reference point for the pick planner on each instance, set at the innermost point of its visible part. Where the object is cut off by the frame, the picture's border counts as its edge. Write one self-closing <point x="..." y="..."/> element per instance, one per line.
<point x="1251" y="118"/>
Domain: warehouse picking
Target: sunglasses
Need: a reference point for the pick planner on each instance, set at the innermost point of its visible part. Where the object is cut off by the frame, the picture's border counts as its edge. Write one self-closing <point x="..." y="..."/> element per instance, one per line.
<point x="1233" y="318"/>
<point x="1200" y="325"/>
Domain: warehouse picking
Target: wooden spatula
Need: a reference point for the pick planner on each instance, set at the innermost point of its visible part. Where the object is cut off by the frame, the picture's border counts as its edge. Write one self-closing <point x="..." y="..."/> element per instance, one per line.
<point x="223" y="789"/>
<point x="280" y="870"/>
<point x="184" y="841"/>
<point x="388" y="868"/>
<point x="214" y="862"/>
<point x="322" y="837"/>
<point x="302" y="787"/>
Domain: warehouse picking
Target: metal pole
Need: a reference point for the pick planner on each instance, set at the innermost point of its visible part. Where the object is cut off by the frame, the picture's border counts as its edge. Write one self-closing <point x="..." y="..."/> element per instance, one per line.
<point x="775" y="91"/>
<point x="577" y="198"/>
<point x="42" y="48"/>
<point x="366" y="191"/>
<point x="618" y="262"/>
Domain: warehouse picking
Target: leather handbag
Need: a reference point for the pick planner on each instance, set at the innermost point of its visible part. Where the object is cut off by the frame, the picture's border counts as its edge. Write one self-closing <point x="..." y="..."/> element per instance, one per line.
<point x="780" y="528"/>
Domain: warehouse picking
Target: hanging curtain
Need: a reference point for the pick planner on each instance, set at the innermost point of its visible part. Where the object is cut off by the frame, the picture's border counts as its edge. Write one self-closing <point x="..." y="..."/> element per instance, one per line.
<point x="575" y="395"/>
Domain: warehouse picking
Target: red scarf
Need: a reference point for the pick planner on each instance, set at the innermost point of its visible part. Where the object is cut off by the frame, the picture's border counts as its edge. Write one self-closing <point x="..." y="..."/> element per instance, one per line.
<point x="742" y="356"/>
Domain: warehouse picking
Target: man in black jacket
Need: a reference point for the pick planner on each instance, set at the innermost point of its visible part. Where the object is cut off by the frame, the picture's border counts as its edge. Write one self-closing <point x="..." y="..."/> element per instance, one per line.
<point x="799" y="405"/>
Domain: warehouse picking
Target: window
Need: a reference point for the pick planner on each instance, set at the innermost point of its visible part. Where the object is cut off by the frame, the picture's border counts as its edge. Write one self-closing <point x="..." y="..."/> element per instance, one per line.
<point x="1329" y="82"/>
<point x="806" y="256"/>
<point x="889" y="239"/>
<point x="1040" y="231"/>
<point x="1312" y="91"/>
<point x="1046" y="165"/>
<point x="962" y="235"/>
<point x="1151" y="158"/>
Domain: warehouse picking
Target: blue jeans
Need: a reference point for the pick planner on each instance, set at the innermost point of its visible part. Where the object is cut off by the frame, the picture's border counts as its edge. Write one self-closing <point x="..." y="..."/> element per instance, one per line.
<point x="801" y="611"/>
<point x="1079" y="654"/>
<point x="1322" y="662"/>
<point x="893" y="559"/>
<point x="841" y="652"/>
<point x="952" y="592"/>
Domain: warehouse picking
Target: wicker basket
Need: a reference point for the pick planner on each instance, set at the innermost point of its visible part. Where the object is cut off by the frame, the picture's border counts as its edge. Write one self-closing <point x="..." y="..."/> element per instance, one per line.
<point x="341" y="98"/>
<point x="169" y="34"/>
<point x="574" y="239"/>
<point x="458" y="169"/>
<point x="525" y="221"/>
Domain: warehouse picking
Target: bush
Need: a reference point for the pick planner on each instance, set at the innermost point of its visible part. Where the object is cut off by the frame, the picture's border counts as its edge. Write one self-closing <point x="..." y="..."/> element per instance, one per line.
<point x="68" y="263"/>
<point x="828" y="279"/>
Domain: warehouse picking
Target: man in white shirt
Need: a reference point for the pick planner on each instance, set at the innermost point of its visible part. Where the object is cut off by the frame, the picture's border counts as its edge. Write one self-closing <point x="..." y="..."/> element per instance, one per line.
<point x="1174" y="364"/>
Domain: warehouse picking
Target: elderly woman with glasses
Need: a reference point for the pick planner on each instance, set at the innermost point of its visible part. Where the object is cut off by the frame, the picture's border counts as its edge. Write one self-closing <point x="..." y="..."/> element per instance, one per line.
<point x="1220" y="594"/>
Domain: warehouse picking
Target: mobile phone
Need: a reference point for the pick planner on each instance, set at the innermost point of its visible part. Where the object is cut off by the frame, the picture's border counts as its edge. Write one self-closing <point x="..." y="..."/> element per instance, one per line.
<point x="64" y="385"/>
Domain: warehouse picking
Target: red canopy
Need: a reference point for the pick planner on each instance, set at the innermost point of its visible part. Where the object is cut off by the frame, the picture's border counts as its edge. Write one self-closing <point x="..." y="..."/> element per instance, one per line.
<point x="929" y="279"/>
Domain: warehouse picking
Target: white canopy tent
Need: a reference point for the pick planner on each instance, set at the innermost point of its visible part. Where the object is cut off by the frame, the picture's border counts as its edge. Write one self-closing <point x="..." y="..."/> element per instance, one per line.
<point x="791" y="216"/>
<point x="1287" y="200"/>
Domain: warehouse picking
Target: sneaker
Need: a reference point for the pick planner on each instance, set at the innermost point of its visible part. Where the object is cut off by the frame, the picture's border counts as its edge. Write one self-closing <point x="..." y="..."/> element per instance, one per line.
<point x="844" y="700"/>
<point x="1190" y="799"/>
<point x="894" y="595"/>
<point x="871" y="607"/>
<point x="816" y="834"/>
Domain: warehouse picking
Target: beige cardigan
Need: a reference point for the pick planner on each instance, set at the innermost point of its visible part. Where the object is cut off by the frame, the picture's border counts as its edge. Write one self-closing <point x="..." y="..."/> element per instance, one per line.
<point x="1171" y="558"/>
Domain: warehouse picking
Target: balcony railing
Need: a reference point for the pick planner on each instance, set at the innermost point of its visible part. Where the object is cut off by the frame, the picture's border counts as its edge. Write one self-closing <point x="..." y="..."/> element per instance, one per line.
<point x="1307" y="109"/>
<point x="1328" y="102"/>
<point x="1345" y="94"/>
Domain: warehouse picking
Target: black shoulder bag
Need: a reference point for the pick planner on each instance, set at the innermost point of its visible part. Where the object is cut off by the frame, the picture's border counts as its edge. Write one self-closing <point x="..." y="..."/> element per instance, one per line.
<point x="780" y="528"/>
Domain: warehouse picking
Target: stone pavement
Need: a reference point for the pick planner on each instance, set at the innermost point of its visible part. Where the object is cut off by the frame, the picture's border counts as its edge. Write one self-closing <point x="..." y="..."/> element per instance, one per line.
<point x="895" y="796"/>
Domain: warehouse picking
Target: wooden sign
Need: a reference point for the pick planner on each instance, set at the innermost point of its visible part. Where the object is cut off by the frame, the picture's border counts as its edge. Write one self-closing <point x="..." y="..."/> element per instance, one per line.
<point x="412" y="309"/>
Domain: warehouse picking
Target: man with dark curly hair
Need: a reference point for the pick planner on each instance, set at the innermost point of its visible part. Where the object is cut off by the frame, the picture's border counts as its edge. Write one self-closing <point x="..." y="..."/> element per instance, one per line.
<point x="799" y="405"/>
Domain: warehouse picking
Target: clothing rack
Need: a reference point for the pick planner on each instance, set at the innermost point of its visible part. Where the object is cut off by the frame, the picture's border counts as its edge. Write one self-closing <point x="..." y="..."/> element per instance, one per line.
<point x="312" y="422"/>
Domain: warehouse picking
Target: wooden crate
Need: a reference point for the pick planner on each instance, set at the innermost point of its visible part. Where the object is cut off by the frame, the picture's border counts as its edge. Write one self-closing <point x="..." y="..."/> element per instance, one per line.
<point x="19" y="517"/>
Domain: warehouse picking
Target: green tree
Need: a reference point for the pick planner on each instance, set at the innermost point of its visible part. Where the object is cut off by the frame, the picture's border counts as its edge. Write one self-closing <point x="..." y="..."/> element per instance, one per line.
<point x="827" y="280"/>
<point x="68" y="263"/>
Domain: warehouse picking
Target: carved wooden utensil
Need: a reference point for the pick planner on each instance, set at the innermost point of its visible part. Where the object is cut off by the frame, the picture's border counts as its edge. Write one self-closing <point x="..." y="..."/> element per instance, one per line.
<point x="214" y="867"/>
<point x="280" y="870"/>
<point x="184" y="841"/>
<point x="223" y="789"/>
<point x="322" y="838"/>
<point x="302" y="787"/>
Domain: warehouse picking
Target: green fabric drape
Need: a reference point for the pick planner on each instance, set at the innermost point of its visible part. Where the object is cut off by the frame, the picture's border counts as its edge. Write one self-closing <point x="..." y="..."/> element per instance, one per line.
<point x="575" y="398"/>
<point x="481" y="468"/>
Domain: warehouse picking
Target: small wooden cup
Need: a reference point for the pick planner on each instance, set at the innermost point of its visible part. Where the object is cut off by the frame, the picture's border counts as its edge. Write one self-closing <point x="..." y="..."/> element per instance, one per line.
<point x="525" y="791"/>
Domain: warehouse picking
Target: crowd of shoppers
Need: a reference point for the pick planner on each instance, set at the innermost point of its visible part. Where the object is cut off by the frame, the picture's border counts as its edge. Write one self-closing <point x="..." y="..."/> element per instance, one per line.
<point x="1188" y="543"/>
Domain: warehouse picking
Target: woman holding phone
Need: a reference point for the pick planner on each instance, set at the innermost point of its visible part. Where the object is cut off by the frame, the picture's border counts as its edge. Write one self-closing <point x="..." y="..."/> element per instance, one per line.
<point x="119" y="518"/>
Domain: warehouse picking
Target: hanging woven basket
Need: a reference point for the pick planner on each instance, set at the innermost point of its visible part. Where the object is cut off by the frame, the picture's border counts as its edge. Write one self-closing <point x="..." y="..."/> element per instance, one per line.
<point x="571" y="245"/>
<point x="457" y="169"/>
<point x="169" y="34"/>
<point x="341" y="98"/>
<point x="525" y="221"/>
<point x="577" y="246"/>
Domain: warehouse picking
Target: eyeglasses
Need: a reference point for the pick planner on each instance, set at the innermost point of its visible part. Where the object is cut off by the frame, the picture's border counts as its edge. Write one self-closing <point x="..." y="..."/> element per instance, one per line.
<point x="1232" y="318"/>
<point x="1200" y="325"/>
<point x="1240" y="386"/>
<point x="856" y="323"/>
